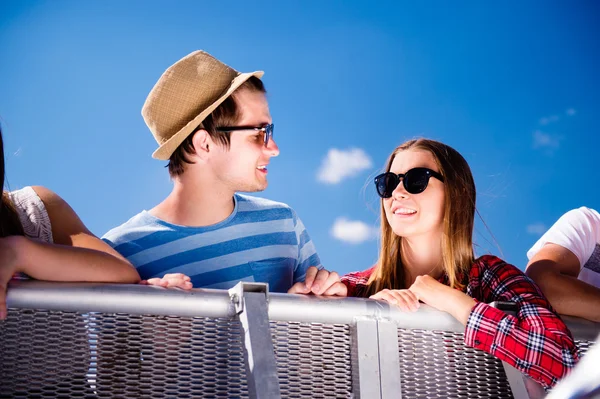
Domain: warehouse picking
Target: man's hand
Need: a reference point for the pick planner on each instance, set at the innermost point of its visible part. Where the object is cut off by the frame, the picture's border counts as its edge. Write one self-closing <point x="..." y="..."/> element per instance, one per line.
<point x="171" y="280"/>
<point x="320" y="282"/>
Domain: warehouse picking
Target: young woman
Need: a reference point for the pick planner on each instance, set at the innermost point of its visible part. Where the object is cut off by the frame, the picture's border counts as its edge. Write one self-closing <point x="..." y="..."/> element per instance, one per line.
<point x="426" y="255"/>
<point x="41" y="237"/>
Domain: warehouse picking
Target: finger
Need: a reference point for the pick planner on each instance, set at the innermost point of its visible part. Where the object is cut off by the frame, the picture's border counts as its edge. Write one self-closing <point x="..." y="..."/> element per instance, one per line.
<point x="385" y="296"/>
<point x="143" y="282"/>
<point x="337" y="289"/>
<point x="299" y="288"/>
<point x="332" y="278"/>
<point x="319" y="285"/>
<point x="157" y="281"/>
<point x="176" y="276"/>
<point x="311" y="273"/>
<point x="409" y="299"/>
<point x="418" y="292"/>
<point x="180" y="283"/>
<point x="401" y="301"/>
<point x="378" y="295"/>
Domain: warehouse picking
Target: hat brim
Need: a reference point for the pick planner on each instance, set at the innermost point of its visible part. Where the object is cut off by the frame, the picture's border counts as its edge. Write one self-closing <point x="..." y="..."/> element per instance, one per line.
<point x="167" y="148"/>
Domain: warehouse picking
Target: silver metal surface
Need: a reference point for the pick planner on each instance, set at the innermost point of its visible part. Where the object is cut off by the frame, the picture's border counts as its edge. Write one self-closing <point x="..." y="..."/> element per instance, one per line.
<point x="250" y="301"/>
<point x="104" y="341"/>
<point x="365" y="359"/>
<point x="437" y="364"/>
<point x="389" y="362"/>
<point x="521" y="386"/>
<point x="138" y="299"/>
<point x="115" y="355"/>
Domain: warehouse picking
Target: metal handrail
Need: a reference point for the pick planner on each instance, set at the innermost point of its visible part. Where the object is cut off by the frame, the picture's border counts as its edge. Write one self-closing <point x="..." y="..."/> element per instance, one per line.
<point x="139" y="299"/>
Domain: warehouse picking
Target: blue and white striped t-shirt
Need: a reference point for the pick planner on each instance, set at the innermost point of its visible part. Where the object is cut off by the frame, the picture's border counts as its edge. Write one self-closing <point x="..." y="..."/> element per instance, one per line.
<point x="261" y="241"/>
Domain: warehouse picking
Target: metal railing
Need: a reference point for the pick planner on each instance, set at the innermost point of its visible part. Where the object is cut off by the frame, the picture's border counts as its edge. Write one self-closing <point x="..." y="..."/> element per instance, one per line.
<point x="109" y="341"/>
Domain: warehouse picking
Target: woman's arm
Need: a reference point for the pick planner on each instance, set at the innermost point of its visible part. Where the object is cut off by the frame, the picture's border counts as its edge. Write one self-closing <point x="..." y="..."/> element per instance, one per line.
<point x="76" y="255"/>
<point x="85" y="257"/>
<point x="535" y="341"/>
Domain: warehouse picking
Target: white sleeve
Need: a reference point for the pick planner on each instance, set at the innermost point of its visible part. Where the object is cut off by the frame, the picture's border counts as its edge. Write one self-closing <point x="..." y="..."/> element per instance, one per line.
<point x="577" y="230"/>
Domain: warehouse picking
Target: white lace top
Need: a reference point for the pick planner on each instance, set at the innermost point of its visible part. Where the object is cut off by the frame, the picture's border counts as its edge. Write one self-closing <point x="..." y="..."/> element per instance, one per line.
<point x="33" y="214"/>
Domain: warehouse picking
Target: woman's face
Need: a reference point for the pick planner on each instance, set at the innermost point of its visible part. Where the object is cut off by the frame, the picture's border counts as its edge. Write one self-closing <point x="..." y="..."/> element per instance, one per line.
<point x="413" y="215"/>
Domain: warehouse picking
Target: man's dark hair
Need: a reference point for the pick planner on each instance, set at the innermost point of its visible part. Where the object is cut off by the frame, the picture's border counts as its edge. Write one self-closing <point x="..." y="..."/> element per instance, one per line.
<point x="226" y="114"/>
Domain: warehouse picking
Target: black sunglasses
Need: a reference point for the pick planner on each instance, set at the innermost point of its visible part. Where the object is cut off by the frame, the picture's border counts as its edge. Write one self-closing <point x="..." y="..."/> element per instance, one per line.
<point x="267" y="129"/>
<point x="415" y="181"/>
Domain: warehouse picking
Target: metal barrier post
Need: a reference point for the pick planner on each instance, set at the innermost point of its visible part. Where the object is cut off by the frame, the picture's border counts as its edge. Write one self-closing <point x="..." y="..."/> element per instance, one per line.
<point x="375" y="363"/>
<point x="250" y="301"/>
<point x="389" y="361"/>
<point x="365" y="359"/>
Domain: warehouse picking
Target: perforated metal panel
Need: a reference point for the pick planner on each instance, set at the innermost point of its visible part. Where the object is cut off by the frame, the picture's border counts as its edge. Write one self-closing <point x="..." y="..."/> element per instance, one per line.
<point x="71" y="355"/>
<point x="313" y="360"/>
<point x="437" y="364"/>
<point x="166" y="357"/>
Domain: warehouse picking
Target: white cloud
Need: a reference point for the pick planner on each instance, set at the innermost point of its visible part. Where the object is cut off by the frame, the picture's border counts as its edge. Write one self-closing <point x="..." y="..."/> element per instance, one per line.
<point x="353" y="231"/>
<point x="549" y="119"/>
<point x="340" y="164"/>
<point x="18" y="152"/>
<point x="547" y="141"/>
<point x="571" y="111"/>
<point x="537" y="229"/>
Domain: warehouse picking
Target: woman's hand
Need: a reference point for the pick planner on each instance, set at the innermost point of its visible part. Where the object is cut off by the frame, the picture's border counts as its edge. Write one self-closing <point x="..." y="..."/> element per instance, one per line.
<point x="406" y="300"/>
<point x="9" y="249"/>
<point x="440" y="296"/>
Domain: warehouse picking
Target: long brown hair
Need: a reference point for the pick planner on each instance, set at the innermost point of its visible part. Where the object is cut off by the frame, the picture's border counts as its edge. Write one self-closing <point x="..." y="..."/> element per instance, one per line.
<point x="9" y="219"/>
<point x="459" y="216"/>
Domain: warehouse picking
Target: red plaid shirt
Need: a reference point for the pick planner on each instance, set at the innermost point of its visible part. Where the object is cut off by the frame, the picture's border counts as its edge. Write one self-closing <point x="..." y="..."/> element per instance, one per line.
<point x="535" y="341"/>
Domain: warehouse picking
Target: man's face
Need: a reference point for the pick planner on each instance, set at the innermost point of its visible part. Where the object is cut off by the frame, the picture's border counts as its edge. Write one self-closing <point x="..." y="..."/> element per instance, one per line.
<point x="243" y="167"/>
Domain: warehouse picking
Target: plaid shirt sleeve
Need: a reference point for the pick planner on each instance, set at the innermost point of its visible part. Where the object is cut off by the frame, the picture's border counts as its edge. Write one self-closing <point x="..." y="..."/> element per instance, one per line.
<point x="356" y="282"/>
<point x="535" y="341"/>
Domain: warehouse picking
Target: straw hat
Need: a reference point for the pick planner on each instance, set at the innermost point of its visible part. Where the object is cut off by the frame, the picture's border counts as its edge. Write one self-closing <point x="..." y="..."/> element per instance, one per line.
<point x="186" y="93"/>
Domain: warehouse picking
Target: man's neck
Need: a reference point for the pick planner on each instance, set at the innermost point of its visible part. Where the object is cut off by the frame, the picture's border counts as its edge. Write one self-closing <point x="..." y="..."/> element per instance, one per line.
<point x="422" y="255"/>
<point x="195" y="203"/>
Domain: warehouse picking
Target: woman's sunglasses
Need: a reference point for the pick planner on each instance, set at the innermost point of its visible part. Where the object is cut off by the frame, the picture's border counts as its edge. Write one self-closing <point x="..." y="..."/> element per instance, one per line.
<point x="415" y="181"/>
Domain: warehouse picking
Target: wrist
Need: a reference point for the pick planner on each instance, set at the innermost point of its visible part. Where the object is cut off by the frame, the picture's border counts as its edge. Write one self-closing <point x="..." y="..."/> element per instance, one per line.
<point x="13" y="248"/>
<point x="462" y="307"/>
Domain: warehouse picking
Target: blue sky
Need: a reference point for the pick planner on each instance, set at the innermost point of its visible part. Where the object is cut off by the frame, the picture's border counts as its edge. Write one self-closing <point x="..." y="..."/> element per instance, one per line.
<point x="511" y="85"/>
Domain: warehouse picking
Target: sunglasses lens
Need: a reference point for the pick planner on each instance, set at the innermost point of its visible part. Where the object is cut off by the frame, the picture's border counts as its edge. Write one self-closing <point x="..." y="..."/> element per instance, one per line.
<point x="269" y="129"/>
<point x="416" y="180"/>
<point x="386" y="183"/>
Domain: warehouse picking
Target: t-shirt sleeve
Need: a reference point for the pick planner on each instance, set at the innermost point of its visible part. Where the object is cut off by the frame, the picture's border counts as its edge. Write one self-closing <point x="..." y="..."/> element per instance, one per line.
<point x="307" y="253"/>
<point x="577" y="230"/>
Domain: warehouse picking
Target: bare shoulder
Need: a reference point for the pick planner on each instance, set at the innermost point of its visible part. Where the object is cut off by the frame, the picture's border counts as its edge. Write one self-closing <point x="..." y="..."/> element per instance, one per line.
<point x="45" y="194"/>
<point x="63" y="218"/>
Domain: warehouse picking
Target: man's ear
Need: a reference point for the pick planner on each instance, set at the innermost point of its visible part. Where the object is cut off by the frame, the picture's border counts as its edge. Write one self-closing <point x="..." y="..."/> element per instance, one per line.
<point x="202" y="143"/>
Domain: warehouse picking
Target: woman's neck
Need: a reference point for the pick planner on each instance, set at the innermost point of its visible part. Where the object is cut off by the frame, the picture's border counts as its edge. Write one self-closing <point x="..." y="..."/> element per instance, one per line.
<point x="420" y="256"/>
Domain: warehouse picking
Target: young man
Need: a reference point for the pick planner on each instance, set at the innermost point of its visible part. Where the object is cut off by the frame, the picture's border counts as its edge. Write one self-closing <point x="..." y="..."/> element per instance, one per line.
<point x="565" y="263"/>
<point x="213" y="125"/>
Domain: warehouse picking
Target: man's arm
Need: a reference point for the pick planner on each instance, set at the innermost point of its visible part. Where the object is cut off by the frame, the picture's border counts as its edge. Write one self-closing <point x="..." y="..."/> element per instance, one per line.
<point x="555" y="269"/>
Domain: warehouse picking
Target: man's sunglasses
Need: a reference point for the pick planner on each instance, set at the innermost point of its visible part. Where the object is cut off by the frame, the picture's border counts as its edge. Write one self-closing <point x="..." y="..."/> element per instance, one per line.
<point x="266" y="129"/>
<point x="415" y="181"/>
